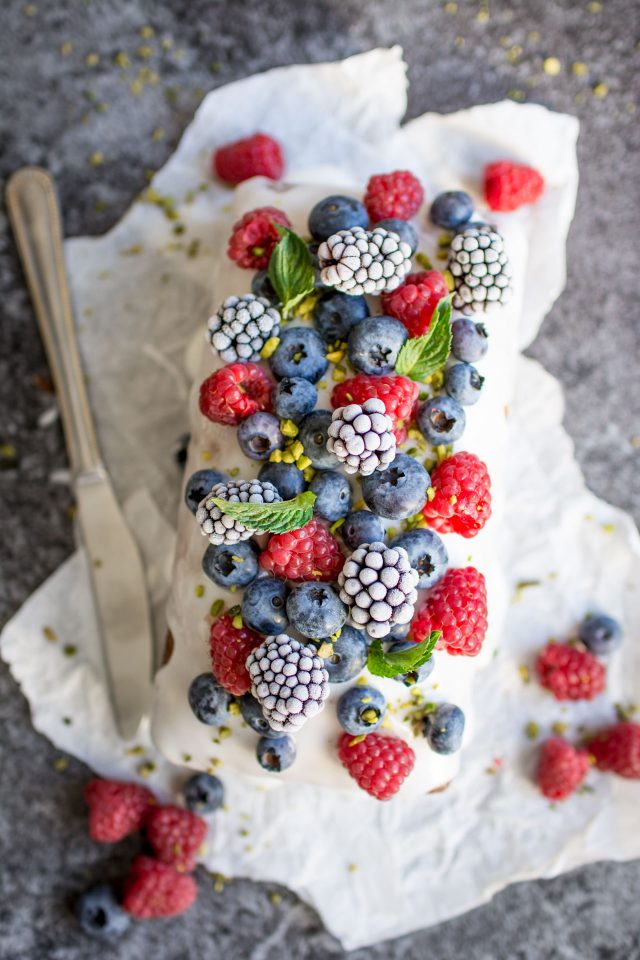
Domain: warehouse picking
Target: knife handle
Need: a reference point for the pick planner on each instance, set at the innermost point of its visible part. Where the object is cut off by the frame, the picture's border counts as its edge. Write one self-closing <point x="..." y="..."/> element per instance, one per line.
<point x="34" y="213"/>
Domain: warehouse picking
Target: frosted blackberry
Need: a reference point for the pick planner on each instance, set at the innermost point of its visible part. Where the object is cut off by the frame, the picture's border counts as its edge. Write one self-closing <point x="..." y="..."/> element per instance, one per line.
<point x="361" y="261"/>
<point x="480" y="268"/>
<point x="361" y="436"/>
<point x="378" y="585"/>
<point x="241" y="327"/>
<point x="289" y="681"/>
<point x="220" y="528"/>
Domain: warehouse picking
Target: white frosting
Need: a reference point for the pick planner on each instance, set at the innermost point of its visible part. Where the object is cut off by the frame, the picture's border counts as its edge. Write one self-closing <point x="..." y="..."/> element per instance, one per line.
<point x="177" y="733"/>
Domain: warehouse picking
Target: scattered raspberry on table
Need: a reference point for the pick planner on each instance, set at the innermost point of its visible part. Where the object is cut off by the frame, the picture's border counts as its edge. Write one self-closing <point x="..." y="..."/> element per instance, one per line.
<point x="155" y="889"/>
<point x="398" y="194"/>
<point x="570" y="673"/>
<point x="379" y="764"/>
<point x="414" y="302"/>
<point x="116" y="809"/>
<point x="617" y="749"/>
<point x="309" y="553"/>
<point x="256" y="156"/>
<point x="508" y="186"/>
<point x="233" y="393"/>
<point x="561" y="768"/>
<point x="457" y="606"/>
<point x="399" y="395"/>
<point x="461" y="502"/>
<point x="230" y="646"/>
<point x="176" y="836"/>
<point x="254" y="236"/>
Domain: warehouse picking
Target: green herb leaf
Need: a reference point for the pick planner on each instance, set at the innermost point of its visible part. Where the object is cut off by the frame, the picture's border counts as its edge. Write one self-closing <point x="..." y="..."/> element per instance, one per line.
<point x="420" y="357"/>
<point x="392" y="664"/>
<point x="271" y="517"/>
<point x="291" y="270"/>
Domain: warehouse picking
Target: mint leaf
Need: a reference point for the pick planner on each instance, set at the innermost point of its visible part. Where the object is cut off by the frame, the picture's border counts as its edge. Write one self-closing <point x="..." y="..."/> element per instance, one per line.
<point x="419" y="357"/>
<point x="271" y="517"/>
<point x="291" y="270"/>
<point x="392" y="664"/>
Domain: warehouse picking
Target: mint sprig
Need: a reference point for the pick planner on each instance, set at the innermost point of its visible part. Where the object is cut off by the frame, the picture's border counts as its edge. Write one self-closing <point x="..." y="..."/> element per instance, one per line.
<point x="271" y="517"/>
<point x="420" y="357"/>
<point x="291" y="270"/>
<point x="391" y="664"/>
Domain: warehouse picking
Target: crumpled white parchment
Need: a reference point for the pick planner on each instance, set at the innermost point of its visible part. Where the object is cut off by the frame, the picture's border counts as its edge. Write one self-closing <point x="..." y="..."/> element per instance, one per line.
<point x="140" y="292"/>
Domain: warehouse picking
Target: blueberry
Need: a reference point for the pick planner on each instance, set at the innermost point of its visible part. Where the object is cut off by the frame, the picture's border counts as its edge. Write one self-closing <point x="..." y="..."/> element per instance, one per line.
<point x="294" y="398"/>
<point x="361" y="710"/>
<point x="286" y="478"/>
<point x="427" y="554"/>
<point x="361" y="526"/>
<point x="451" y="209"/>
<point x="203" y="793"/>
<point x="463" y="383"/>
<point x="444" y="728"/>
<point x="254" y="717"/>
<point x="276" y="754"/>
<point x="600" y="634"/>
<point x="198" y="486"/>
<point x="336" y="313"/>
<point x="264" y="606"/>
<point x="99" y="913"/>
<point x="231" y="564"/>
<point x="208" y="700"/>
<point x="259" y="435"/>
<point x="469" y="340"/>
<point x="313" y="437"/>
<point x="399" y="631"/>
<point x="261" y="286"/>
<point x="403" y="228"/>
<point x="399" y="491"/>
<point x="333" y="495"/>
<point x="315" y="609"/>
<point x="441" y="420"/>
<point x="413" y="676"/>
<point x="300" y="353"/>
<point x="374" y="344"/>
<point x="336" y="213"/>
<point x="349" y="655"/>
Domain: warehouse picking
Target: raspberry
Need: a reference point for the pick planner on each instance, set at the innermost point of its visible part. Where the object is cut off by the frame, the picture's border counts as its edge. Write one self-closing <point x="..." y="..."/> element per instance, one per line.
<point x="508" y="186"/>
<point x="570" y="673"/>
<point x="116" y="809"/>
<point x="457" y="606"/>
<point x="617" y="749"/>
<point x="561" y="769"/>
<point x="462" y="501"/>
<point x="413" y="303"/>
<point x="399" y="395"/>
<point x="398" y="194"/>
<point x="379" y="764"/>
<point x="233" y="393"/>
<point x="230" y="646"/>
<point x="154" y="889"/>
<point x="176" y="835"/>
<point x="254" y="236"/>
<point x="309" y="553"/>
<point x="255" y="156"/>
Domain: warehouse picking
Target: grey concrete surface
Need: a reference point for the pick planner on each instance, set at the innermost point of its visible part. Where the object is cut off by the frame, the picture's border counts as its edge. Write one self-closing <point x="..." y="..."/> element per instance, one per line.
<point x="63" y="98"/>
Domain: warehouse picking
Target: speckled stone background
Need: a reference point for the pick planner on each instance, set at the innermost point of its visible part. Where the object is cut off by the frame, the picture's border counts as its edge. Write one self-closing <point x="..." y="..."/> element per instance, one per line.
<point x="100" y="91"/>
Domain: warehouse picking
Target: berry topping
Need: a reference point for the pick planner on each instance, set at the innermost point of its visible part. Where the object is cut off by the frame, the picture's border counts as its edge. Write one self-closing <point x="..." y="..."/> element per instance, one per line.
<point x="399" y="491"/>
<point x="348" y="655"/>
<point x="398" y="194"/>
<point x="294" y="398"/>
<point x="414" y="302"/>
<point x="333" y="495"/>
<point x="374" y="344"/>
<point x="480" y="269"/>
<point x="203" y="793"/>
<point x="441" y="420"/>
<point x="254" y="237"/>
<point x="570" y="673"/>
<point x="176" y="836"/>
<point x="379" y="764"/>
<point x="229" y="647"/>
<point x="399" y="395"/>
<point x="219" y="527"/>
<point x="417" y="675"/>
<point x="427" y="554"/>
<point x="254" y="717"/>
<point x="457" y="606"/>
<point x="444" y="728"/>
<point x="116" y="809"/>
<point x="508" y="186"/>
<point x="301" y="352"/>
<point x="361" y="526"/>
<point x="358" y="261"/>
<point x="463" y="383"/>
<point x="361" y="710"/>
<point x="600" y="634"/>
<point x="264" y="606"/>
<point x="198" y="486"/>
<point x="208" y="699"/>
<point x="336" y="313"/>
<point x="315" y="610"/>
<point x="256" y="156"/>
<point x="155" y="889"/>
<point x="286" y="478"/>
<point x="451" y="209"/>
<point x="461" y="502"/>
<point x="469" y="340"/>
<point x="378" y="585"/>
<point x="231" y="564"/>
<point x="403" y="228"/>
<point x="99" y="913"/>
<point x="235" y="392"/>
<point x="336" y="213"/>
<point x="313" y="435"/>
<point x="309" y="553"/>
<point x="276" y="754"/>
<point x="259" y="435"/>
<point x="361" y="437"/>
<point x="561" y="768"/>
<point x="617" y="750"/>
<point x="288" y="680"/>
<point x="241" y="327"/>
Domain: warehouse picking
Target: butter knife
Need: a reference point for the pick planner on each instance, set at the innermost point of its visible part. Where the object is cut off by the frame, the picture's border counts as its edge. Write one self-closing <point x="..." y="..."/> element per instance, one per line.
<point x="116" y="571"/>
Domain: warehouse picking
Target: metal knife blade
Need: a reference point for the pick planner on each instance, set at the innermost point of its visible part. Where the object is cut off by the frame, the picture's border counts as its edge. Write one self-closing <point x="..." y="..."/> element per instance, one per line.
<point x="117" y="574"/>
